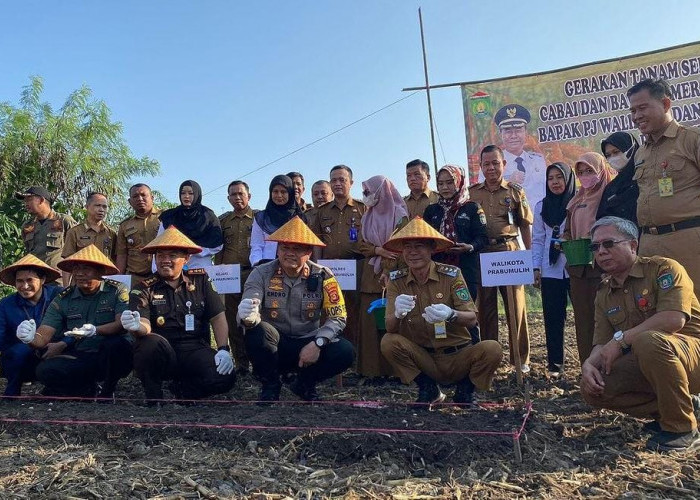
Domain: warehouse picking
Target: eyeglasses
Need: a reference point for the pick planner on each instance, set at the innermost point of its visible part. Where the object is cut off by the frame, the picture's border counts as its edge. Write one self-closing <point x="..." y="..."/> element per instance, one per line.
<point x="607" y="244"/>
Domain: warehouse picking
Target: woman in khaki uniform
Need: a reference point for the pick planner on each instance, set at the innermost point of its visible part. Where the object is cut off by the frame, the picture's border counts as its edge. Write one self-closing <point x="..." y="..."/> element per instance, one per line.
<point x="386" y="212"/>
<point x="593" y="174"/>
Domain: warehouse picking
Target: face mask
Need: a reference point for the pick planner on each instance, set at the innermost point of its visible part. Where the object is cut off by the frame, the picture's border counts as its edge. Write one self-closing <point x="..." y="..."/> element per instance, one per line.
<point x="370" y="200"/>
<point x="588" y="181"/>
<point x="618" y="161"/>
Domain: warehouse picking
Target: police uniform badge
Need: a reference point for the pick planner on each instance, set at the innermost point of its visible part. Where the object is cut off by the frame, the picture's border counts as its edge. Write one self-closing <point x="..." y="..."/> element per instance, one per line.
<point x="160" y="320"/>
<point x="665" y="281"/>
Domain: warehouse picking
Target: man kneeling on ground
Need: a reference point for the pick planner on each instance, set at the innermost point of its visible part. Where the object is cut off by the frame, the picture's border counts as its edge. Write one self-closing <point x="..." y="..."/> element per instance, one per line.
<point x="281" y="312"/>
<point x="428" y="316"/>
<point x="646" y="359"/>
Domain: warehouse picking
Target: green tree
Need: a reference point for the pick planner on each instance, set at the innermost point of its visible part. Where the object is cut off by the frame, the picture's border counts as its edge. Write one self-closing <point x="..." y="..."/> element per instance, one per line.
<point x="71" y="151"/>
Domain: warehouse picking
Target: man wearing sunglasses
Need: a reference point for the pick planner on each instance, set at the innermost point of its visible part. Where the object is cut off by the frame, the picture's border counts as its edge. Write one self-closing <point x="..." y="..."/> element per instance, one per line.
<point x="646" y="355"/>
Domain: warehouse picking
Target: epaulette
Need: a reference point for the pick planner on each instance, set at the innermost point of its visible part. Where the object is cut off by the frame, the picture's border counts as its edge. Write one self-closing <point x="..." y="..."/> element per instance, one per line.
<point x="196" y="272"/>
<point x="114" y="283"/>
<point x="150" y="281"/>
<point x="224" y="215"/>
<point x="515" y="186"/>
<point x="399" y="273"/>
<point x="448" y="270"/>
<point x="66" y="292"/>
<point x="123" y="221"/>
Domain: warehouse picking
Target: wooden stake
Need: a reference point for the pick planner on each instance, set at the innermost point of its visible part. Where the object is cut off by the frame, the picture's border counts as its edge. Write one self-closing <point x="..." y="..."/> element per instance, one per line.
<point x="513" y="332"/>
<point x="427" y="93"/>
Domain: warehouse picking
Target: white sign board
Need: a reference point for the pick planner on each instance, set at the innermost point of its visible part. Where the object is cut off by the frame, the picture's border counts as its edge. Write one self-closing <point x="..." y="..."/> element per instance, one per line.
<point x="121" y="278"/>
<point x="506" y="268"/>
<point x="345" y="271"/>
<point x="226" y="277"/>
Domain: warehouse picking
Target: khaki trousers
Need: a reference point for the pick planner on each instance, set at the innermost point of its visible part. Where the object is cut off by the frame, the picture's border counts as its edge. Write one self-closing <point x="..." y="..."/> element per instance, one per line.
<point x="682" y="246"/>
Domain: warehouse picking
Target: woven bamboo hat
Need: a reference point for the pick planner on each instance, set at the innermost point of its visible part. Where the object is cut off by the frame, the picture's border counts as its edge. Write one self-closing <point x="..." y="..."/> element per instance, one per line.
<point x="28" y="262"/>
<point x="296" y="231"/>
<point x="171" y="239"/>
<point x="88" y="255"/>
<point x="417" y="229"/>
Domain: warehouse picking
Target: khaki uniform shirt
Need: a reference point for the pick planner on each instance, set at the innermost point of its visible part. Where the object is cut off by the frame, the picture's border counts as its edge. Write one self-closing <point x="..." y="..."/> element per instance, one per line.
<point x="82" y="235"/>
<point x="417" y="205"/>
<point x="71" y="309"/>
<point x="236" y="229"/>
<point x="166" y="307"/>
<point x="506" y="209"/>
<point x="293" y="305"/>
<point x="335" y="228"/>
<point x="445" y="286"/>
<point x="132" y="235"/>
<point x="677" y="154"/>
<point x="45" y="239"/>
<point x="654" y="284"/>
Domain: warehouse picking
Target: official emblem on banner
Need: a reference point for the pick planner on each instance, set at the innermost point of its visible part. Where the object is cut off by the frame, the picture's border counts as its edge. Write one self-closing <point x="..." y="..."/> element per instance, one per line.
<point x="480" y="104"/>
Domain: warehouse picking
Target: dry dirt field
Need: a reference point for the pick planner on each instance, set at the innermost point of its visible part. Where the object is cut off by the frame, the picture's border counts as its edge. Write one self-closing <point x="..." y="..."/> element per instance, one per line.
<point x="341" y="449"/>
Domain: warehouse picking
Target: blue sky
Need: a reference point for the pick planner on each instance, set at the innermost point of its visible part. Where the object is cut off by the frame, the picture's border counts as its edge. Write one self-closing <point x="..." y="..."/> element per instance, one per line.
<point x="215" y="89"/>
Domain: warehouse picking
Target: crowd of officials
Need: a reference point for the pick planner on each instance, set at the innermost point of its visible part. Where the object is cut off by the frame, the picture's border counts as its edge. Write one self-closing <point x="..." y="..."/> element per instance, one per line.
<point x="636" y="204"/>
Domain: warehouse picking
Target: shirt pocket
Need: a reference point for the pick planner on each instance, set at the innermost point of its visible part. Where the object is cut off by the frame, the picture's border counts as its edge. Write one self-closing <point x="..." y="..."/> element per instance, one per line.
<point x="311" y="309"/>
<point x="617" y="317"/>
<point x="54" y="240"/>
<point x="133" y="238"/>
<point x="104" y="314"/>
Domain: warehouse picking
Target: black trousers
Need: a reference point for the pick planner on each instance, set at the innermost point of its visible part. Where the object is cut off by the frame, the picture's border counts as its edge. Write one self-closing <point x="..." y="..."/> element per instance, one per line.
<point x="18" y="362"/>
<point x="272" y="353"/>
<point x="76" y="373"/>
<point x="190" y="363"/>
<point x="554" y="298"/>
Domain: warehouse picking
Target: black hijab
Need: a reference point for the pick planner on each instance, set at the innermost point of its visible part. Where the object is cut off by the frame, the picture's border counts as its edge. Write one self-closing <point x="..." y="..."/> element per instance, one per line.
<point x="275" y="216"/>
<point x="197" y="222"/>
<point x="554" y="205"/>
<point x="625" y="142"/>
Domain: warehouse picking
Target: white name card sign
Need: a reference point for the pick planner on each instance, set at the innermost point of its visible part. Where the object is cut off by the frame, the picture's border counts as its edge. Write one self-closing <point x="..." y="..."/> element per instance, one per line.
<point x="506" y="268"/>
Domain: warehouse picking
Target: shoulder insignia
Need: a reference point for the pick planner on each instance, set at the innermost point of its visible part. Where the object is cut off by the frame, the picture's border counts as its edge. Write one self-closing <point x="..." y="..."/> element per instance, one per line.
<point x="224" y="215"/>
<point x="149" y="281"/>
<point x="534" y="154"/>
<point x="665" y="280"/>
<point x="515" y="186"/>
<point x="450" y="271"/>
<point x="66" y="291"/>
<point x="196" y="272"/>
<point x="114" y="283"/>
<point x="399" y="273"/>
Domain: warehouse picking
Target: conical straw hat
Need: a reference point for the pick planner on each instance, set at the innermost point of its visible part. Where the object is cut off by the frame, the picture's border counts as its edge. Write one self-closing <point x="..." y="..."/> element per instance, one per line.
<point x="88" y="255"/>
<point x="171" y="239"/>
<point x="296" y="231"/>
<point x="29" y="261"/>
<point x="417" y="229"/>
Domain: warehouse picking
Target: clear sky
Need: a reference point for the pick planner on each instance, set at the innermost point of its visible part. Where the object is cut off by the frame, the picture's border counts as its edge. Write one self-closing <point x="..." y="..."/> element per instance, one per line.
<point x="215" y="89"/>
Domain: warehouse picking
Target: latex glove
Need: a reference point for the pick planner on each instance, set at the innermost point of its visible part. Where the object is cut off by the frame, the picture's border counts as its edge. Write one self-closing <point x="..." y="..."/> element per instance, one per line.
<point x="224" y="362"/>
<point x="437" y="312"/>
<point x="403" y="305"/>
<point x="131" y="320"/>
<point x="249" y="310"/>
<point x="26" y="331"/>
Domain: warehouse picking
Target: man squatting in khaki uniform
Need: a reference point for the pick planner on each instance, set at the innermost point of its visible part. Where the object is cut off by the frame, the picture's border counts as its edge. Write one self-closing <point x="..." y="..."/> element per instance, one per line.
<point x="646" y="355"/>
<point x="428" y="316"/>
<point x="667" y="171"/>
<point x="507" y="211"/>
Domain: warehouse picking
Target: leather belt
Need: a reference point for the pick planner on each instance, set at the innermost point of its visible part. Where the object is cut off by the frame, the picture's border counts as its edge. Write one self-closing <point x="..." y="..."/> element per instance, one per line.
<point x="669" y="228"/>
<point x="502" y="240"/>
<point x="447" y="350"/>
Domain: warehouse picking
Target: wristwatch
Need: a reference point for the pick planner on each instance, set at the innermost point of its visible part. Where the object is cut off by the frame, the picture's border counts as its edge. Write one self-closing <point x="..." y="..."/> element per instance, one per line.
<point x="224" y="348"/>
<point x="619" y="337"/>
<point x="320" y="342"/>
<point x="452" y="317"/>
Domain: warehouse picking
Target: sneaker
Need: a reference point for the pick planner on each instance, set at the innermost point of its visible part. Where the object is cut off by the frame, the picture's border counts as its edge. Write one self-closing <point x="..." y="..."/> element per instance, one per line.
<point x="269" y="393"/>
<point x="464" y="393"/>
<point x="652" y="427"/>
<point x="525" y="368"/>
<point x="305" y="391"/>
<point x="428" y="392"/>
<point x="674" y="441"/>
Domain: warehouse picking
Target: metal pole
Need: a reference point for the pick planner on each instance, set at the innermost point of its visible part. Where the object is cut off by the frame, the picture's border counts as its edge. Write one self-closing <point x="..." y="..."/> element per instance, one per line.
<point x="427" y="92"/>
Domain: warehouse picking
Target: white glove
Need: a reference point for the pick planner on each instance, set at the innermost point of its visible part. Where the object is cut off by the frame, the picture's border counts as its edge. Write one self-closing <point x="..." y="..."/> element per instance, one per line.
<point x="403" y="305"/>
<point x="224" y="362"/>
<point x="437" y="312"/>
<point x="26" y="330"/>
<point x="249" y="310"/>
<point x="131" y="320"/>
<point x="89" y="330"/>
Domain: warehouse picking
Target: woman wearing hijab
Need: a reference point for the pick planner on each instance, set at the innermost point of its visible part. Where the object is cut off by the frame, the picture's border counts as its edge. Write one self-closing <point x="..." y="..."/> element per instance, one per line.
<point x="461" y="220"/>
<point x="281" y="207"/>
<point x="593" y="174"/>
<point x="620" y="196"/>
<point x="386" y="212"/>
<point x="197" y="222"/>
<point x="549" y="262"/>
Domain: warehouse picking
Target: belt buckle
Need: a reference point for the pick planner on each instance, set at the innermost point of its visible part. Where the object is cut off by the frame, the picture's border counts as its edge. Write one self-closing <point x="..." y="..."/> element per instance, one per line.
<point x="653" y="230"/>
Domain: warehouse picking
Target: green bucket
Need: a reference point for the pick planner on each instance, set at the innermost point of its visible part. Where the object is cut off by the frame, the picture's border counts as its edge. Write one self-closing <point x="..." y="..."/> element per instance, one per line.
<point x="578" y="252"/>
<point x="378" y="309"/>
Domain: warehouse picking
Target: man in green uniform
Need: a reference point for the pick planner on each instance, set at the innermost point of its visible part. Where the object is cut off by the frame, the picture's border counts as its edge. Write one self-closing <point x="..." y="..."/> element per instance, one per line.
<point x="237" y="227"/>
<point x="44" y="235"/>
<point x="170" y="314"/>
<point x="428" y="316"/>
<point x="96" y="352"/>
<point x="646" y="356"/>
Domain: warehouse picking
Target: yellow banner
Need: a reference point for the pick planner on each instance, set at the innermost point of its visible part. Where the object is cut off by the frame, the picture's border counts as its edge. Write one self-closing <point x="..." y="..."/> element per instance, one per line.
<point x="568" y="112"/>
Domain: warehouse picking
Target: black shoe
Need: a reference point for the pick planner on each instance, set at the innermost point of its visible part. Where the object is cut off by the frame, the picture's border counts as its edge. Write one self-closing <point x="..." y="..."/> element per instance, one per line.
<point x="428" y="392"/>
<point x="652" y="427"/>
<point x="305" y="390"/>
<point x="464" y="393"/>
<point x="269" y="393"/>
<point x="674" y="441"/>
